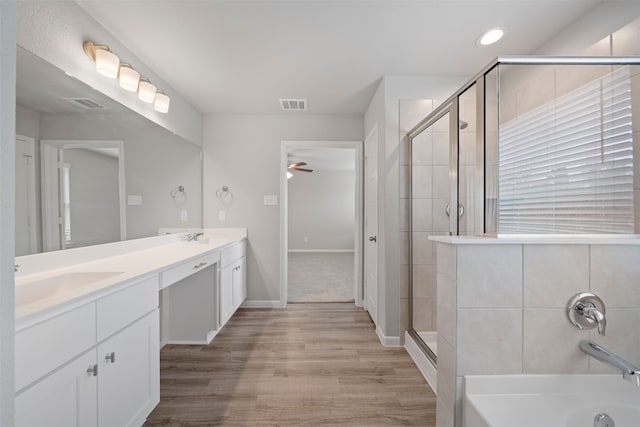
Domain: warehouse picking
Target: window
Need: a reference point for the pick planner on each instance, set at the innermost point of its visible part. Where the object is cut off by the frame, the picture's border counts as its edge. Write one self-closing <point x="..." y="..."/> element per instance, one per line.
<point x="567" y="166"/>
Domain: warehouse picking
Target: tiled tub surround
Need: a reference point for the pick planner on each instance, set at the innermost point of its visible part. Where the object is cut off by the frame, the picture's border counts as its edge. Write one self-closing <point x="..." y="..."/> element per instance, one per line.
<point x="502" y="307"/>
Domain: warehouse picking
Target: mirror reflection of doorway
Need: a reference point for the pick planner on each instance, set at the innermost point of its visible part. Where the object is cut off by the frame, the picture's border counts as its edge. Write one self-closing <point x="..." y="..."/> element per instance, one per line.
<point x="26" y="225"/>
<point x="82" y="193"/>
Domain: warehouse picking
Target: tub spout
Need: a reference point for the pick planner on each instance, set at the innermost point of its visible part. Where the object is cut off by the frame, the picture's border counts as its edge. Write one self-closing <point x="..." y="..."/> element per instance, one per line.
<point x="630" y="372"/>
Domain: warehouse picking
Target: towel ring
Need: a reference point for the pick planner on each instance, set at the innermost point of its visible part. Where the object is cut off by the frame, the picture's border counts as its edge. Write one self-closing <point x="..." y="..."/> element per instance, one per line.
<point x="176" y="192"/>
<point x="222" y="191"/>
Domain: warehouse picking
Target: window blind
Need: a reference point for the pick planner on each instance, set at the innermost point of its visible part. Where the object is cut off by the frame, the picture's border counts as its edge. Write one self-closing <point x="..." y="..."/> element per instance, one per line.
<point x="567" y="166"/>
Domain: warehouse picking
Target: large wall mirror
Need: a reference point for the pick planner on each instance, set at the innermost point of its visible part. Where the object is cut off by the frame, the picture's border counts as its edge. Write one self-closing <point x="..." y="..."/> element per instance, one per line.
<point x="91" y="171"/>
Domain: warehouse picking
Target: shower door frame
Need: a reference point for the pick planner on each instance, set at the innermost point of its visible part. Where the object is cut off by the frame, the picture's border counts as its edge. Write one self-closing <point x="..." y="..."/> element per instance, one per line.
<point x="450" y="105"/>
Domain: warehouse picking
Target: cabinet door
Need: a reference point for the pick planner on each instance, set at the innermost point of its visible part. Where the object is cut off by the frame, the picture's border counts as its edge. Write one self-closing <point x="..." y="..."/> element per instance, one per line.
<point x="226" y="293"/>
<point x="129" y="382"/>
<point x="68" y="398"/>
<point x="239" y="283"/>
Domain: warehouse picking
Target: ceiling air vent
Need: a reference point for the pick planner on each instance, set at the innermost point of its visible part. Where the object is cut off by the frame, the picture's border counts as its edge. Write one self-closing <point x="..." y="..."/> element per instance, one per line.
<point x="293" y="104"/>
<point x="85" y="103"/>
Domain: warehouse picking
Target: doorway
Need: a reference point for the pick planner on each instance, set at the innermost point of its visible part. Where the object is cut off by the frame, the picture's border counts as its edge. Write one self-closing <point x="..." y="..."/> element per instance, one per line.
<point x="77" y="211"/>
<point x="321" y="222"/>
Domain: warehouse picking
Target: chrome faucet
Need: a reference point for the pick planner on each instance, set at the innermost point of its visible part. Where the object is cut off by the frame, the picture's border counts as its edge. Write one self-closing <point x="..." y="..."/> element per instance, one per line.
<point x="193" y="237"/>
<point x="587" y="311"/>
<point x="630" y="372"/>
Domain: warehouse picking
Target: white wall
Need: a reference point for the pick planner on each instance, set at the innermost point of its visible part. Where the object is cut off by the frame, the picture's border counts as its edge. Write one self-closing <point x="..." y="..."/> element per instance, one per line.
<point x="55" y="31"/>
<point x="95" y="197"/>
<point x="322" y="209"/>
<point x="384" y="110"/>
<point x="243" y="152"/>
<point x="7" y="160"/>
<point x="156" y="161"/>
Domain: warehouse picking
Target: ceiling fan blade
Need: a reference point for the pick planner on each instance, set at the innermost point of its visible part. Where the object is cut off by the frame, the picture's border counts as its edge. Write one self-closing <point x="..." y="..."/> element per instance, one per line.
<point x="302" y="169"/>
<point x="293" y="165"/>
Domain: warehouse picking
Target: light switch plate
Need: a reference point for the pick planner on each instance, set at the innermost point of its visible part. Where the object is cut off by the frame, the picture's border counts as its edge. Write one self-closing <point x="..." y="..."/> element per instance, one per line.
<point x="134" y="200"/>
<point x="271" y="200"/>
<point x="222" y="215"/>
<point x="183" y="215"/>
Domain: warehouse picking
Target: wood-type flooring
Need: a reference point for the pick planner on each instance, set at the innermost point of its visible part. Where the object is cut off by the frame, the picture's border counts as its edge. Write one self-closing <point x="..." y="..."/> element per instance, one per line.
<point x="305" y="365"/>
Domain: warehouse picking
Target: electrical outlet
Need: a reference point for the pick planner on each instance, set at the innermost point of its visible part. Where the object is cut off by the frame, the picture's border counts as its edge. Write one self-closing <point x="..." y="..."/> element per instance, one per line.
<point x="271" y="200"/>
<point x="134" y="200"/>
<point x="222" y="215"/>
<point x="183" y="215"/>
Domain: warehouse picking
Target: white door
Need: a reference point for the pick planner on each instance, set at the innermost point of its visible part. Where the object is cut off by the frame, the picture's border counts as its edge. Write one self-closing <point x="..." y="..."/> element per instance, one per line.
<point x="67" y="398"/>
<point x="26" y="238"/>
<point x="128" y="374"/>
<point x="371" y="224"/>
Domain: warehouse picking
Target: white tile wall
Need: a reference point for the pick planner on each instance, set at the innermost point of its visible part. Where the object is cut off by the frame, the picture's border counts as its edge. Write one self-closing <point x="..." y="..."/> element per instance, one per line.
<point x="535" y="337"/>
<point x="446" y="300"/>
<point x="554" y="273"/>
<point x="615" y="275"/>
<point x="422" y="185"/>
<point x="551" y="343"/>
<point x="489" y="341"/>
<point x="423" y="286"/>
<point x="422" y="215"/>
<point x="422" y="152"/>
<point x="489" y="276"/>
<point x="441" y="148"/>
<point x="446" y="373"/>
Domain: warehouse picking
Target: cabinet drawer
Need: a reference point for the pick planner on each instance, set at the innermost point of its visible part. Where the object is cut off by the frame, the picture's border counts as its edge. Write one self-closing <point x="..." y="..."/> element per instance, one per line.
<point x="47" y="345"/>
<point x="232" y="253"/>
<point x="126" y="306"/>
<point x="185" y="269"/>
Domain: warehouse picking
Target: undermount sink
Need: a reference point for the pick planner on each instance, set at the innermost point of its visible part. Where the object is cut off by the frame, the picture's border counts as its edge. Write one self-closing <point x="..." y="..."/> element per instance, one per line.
<point x="28" y="293"/>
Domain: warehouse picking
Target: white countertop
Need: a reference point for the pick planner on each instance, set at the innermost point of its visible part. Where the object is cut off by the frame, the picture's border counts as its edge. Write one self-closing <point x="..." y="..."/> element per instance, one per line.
<point x="133" y="260"/>
<point x="542" y="239"/>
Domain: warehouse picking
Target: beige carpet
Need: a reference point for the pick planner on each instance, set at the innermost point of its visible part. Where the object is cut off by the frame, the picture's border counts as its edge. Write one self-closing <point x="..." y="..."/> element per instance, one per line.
<point x="320" y="277"/>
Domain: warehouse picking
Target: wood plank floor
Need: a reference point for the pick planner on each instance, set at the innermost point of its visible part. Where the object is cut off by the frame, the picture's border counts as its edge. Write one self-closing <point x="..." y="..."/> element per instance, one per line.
<point x="306" y="365"/>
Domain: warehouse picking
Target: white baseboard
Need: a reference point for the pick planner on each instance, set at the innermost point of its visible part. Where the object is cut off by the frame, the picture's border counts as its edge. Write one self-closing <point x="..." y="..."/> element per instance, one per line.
<point x="256" y="303"/>
<point x="387" y="341"/>
<point x="423" y="363"/>
<point x="319" y="251"/>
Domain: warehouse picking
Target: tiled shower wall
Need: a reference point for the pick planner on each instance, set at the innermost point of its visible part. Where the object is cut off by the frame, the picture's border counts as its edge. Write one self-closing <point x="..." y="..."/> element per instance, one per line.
<point x="502" y="310"/>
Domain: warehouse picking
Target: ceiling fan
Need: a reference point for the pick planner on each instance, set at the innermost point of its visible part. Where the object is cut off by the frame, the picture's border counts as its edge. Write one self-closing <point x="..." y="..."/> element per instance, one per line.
<point x="296" y="167"/>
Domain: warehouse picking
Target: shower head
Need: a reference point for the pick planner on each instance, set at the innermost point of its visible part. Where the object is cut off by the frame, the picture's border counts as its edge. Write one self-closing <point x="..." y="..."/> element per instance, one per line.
<point x="463" y="124"/>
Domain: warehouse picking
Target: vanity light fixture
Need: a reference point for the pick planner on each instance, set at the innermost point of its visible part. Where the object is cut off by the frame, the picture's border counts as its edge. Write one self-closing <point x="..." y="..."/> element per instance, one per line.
<point x="129" y="78"/>
<point x="108" y="64"/>
<point x="146" y="90"/>
<point x="490" y="37"/>
<point x="162" y="101"/>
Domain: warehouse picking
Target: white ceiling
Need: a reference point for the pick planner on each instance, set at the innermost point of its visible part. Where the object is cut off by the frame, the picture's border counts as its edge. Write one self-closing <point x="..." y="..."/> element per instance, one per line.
<point x="240" y="57"/>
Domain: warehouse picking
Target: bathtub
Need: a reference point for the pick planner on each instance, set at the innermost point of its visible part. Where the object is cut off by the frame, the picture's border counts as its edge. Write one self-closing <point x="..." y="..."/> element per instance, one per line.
<point x="548" y="400"/>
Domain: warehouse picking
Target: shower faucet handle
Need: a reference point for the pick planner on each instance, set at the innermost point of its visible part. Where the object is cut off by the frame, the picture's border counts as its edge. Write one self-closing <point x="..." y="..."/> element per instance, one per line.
<point x="587" y="311"/>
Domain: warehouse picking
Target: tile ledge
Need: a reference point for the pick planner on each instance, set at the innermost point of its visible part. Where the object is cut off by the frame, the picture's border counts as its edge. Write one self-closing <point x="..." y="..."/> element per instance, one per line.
<point x="542" y="239"/>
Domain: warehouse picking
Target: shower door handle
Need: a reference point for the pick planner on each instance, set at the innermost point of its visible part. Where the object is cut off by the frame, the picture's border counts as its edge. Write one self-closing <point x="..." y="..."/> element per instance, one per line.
<point x="373" y="238"/>
<point x="447" y="210"/>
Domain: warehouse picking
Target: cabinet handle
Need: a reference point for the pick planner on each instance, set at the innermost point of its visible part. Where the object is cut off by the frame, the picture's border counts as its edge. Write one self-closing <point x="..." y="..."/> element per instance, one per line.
<point x="93" y="370"/>
<point x="202" y="264"/>
<point x="111" y="357"/>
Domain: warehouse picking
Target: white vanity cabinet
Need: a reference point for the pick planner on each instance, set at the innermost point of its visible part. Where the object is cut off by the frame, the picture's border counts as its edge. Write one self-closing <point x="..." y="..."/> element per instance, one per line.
<point x="95" y="365"/>
<point x="233" y="283"/>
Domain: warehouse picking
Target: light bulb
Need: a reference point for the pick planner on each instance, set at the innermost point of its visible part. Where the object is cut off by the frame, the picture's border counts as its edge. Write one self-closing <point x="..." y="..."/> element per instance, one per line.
<point x="146" y="91"/>
<point x="161" y="102"/>
<point x="491" y="36"/>
<point x="107" y="63"/>
<point x="129" y="78"/>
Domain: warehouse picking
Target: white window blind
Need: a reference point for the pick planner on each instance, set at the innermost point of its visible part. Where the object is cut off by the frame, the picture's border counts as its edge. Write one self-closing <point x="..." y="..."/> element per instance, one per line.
<point x="567" y="166"/>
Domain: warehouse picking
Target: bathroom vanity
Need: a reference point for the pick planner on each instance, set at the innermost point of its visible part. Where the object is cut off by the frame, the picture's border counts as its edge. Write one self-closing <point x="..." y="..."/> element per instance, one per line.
<point x="90" y="322"/>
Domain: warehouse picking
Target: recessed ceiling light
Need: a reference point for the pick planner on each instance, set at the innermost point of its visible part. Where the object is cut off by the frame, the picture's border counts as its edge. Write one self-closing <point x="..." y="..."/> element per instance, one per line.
<point x="491" y="36"/>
